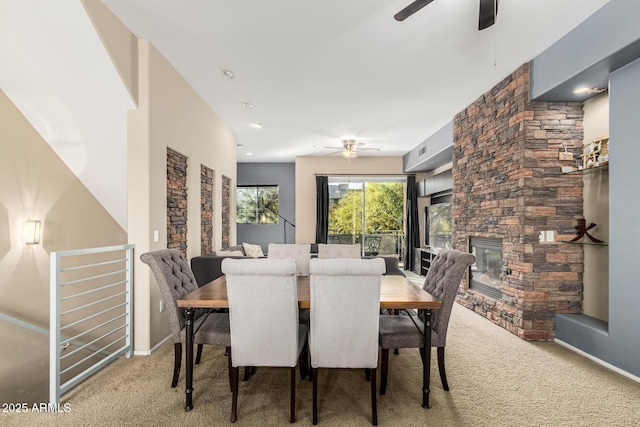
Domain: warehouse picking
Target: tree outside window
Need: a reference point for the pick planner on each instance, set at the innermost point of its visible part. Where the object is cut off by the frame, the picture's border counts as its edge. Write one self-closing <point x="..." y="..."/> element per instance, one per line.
<point x="257" y="204"/>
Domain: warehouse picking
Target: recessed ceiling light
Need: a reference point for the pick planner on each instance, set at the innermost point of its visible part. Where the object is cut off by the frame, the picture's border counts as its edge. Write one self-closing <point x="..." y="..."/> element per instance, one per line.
<point x="228" y="73"/>
<point x="588" y="90"/>
<point x="249" y="154"/>
<point x="257" y="125"/>
<point x="240" y="146"/>
<point x="247" y="105"/>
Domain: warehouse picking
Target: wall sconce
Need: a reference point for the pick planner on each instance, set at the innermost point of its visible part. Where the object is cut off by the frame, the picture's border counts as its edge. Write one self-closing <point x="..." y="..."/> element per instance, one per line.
<point x="31" y="232"/>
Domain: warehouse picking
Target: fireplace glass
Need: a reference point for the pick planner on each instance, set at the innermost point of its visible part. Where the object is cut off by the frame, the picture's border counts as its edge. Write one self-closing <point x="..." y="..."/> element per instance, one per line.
<point x="485" y="273"/>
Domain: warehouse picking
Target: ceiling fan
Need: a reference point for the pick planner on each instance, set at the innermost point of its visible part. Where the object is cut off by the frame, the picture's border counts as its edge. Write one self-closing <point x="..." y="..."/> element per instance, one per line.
<point x="350" y="148"/>
<point x="488" y="12"/>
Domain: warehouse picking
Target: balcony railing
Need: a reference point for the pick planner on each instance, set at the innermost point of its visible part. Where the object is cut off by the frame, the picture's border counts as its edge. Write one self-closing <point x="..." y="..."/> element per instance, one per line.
<point x="385" y="242"/>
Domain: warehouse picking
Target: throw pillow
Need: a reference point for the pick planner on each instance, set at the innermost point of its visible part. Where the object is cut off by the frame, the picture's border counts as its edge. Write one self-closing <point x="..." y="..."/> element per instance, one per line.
<point x="229" y="253"/>
<point x="254" y="251"/>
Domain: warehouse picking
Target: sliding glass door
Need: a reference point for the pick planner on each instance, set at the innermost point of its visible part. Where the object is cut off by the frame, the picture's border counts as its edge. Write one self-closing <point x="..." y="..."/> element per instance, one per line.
<point x="369" y="212"/>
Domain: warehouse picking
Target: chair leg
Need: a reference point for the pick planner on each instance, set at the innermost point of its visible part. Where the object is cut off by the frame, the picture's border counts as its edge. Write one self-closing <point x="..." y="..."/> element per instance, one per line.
<point x="374" y="404"/>
<point x="314" y="374"/>
<point x="367" y="375"/>
<point x="292" y="418"/>
<point x="176" y="363"/>
<point x="443" y="374"/>
<point x="199" y="355"/>
<point x="234" y="393"/>
<point x="385" y="370"/>
<point x="247" y="373"/>
<point x="229" y="368"/>
<point x="303" y="361"/>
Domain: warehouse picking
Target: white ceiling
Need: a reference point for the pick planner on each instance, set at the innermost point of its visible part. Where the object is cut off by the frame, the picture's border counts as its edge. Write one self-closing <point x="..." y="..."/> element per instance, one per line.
<point x="318" y="72"/>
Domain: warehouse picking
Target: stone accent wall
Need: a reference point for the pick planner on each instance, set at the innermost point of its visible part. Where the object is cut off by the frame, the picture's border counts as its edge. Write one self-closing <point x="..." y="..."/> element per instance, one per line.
<point x="176" y="201"/>
<point x="226" y="211"/>
<point x="507" y="184"/>
<point x="206" y="210"/>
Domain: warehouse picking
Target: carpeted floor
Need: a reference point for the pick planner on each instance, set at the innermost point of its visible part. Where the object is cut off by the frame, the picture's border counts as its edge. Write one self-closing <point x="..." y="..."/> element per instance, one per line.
<point x="496" y="379"/>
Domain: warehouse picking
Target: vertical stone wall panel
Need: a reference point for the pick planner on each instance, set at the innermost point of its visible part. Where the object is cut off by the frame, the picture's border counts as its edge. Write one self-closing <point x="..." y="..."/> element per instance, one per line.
<point x="226" y="211"/>
<point x="507" y="184"/>
<point x="206" y="209"/>
<point x="177" y="201"/>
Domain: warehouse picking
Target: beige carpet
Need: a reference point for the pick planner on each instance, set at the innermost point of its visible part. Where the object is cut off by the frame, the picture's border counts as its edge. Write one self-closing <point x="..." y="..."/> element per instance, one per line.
<point x="496" y="379"/>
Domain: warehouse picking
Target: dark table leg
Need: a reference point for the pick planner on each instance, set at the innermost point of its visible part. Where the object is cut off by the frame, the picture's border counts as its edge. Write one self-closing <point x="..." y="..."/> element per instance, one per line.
<point x="189" y="358"/>
<point x="426" y="359"/>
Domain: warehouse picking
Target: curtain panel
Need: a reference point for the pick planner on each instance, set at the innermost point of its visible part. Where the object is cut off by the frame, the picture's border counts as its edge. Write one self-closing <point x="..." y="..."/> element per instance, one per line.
<point x="412" y="240"/>
<point x="322" y="209"/>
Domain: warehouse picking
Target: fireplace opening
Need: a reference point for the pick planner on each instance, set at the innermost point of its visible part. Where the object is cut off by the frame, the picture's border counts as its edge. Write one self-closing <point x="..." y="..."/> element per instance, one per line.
<point x="484" y="275"/>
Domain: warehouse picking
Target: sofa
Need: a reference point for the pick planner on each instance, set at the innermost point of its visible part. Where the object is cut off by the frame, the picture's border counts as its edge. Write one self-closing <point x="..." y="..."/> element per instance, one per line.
<point x="209" y="267"/>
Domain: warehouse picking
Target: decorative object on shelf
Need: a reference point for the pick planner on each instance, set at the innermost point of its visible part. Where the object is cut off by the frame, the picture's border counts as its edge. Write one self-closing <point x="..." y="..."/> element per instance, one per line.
<point x="565" y="155"/>
<point x="583" y="231"/>
<point x="595" y="153"/>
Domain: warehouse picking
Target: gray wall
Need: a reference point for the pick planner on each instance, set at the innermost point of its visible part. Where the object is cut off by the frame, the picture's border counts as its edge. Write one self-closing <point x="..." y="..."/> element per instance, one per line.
<point x="284" y="176"/>
<point x="623" y="346"/>
<point x="618" y="341"/>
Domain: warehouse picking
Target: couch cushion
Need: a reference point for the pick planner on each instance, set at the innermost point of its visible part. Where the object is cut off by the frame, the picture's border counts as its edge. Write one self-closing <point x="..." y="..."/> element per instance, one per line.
<point x="254" y="251"/>
<point x="229" y="253"/>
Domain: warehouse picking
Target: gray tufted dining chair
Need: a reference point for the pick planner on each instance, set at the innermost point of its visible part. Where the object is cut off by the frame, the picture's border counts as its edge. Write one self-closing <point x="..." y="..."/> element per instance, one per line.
<point x="397" y="331"/>
<point x="175" y="280"/>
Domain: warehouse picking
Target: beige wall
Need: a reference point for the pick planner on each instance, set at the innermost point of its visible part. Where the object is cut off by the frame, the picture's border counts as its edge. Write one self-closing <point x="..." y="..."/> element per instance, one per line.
<point x="36" y="184"/>
<point x="308" y="167"/>
<point x="170" y="114"/>
<point x="596" y="210"/>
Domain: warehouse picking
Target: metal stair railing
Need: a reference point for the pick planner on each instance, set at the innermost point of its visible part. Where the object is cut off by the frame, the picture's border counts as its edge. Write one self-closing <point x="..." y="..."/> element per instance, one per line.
<point x="90" y="313"/>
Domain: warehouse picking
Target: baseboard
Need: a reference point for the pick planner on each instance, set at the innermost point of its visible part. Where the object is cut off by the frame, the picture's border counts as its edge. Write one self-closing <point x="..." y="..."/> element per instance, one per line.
<point x="598" y="361"/>
<point x="148" y="352"/>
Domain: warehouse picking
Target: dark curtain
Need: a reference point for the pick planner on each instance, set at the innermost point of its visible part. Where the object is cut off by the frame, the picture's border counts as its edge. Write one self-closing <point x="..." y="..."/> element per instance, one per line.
<point x="412" y="239"/>
<point x="322" y="206"/>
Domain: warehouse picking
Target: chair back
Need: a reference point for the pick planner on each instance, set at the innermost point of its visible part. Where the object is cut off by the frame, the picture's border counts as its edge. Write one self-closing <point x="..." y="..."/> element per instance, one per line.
<point x="263" y="311"/>
<point x="300" y="252"/>
<point x="442" y="281"/>
<point x="345" y="307"/>
<point x="330" y="251"/>
<point x="175" y="280"/>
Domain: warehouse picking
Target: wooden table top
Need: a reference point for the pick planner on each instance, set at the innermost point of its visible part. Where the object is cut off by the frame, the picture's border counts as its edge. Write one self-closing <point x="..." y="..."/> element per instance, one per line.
<point x="396" y="292"/>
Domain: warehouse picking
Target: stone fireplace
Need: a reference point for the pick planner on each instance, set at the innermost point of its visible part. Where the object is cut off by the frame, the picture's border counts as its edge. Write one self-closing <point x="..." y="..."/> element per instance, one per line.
<point x="507" y="188"/>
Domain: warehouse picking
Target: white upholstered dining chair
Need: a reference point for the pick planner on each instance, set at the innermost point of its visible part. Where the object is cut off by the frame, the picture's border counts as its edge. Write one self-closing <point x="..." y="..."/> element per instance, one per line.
<point x="345" y="305"/>
<point x="329" y="251"/>
<point x="263" y="314"/>
<point x="300" y="252"/>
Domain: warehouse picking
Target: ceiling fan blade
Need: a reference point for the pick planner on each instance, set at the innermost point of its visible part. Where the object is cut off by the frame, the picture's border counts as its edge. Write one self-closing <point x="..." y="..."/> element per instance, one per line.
<point x="335" y="152"/>
<point x="367" y="148"/>
<point x="334" y="148"/>
<point x="488" y="13"/>
<point x="411" y="9"/>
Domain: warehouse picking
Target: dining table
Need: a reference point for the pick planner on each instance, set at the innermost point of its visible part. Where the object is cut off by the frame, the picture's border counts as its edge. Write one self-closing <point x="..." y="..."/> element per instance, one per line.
<point x="396" y="292"/>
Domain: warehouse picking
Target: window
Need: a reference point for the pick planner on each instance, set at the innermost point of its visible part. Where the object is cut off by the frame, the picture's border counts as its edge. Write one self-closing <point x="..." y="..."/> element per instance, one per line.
<point x="368" y="211"/>
<point x="257" y="204"/>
